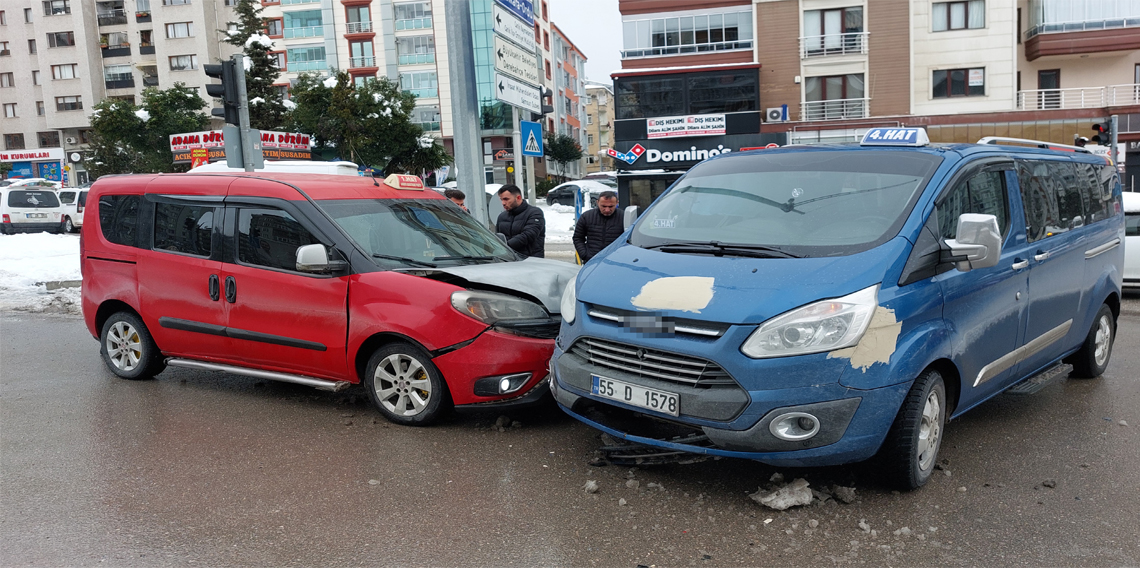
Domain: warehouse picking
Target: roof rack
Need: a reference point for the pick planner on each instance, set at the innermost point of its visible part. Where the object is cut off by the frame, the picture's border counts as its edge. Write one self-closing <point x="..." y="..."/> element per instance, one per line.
<point x="1033" y="143"/>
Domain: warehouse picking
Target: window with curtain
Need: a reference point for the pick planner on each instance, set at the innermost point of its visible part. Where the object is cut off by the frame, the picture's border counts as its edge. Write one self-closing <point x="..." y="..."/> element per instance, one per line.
<point x="970" y="14"/>
<point x="687" y="34"/>
<point x="948" y="83"/>
<point x="825" y="30"/>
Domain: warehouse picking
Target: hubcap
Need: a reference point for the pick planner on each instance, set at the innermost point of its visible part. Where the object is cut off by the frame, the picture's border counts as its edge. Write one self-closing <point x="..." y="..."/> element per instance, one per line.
<point x="402" y="385"/>
<point x="124" y="346"/>
<point x="929" y="431"/>
<point x="1103" y="341"/>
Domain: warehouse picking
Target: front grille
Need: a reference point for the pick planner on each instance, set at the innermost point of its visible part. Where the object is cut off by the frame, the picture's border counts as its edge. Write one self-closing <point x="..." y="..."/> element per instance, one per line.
<point x="652" y="363"/>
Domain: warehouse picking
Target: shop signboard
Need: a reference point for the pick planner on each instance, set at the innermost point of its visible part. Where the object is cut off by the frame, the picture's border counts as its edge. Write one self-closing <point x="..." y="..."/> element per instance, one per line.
<point x="679" y="154"/>
<point x="274" y="145"/>
<point x="680" y="126"/>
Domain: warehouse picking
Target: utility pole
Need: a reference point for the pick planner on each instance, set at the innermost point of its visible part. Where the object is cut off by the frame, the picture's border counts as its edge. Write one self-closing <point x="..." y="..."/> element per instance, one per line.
<point x="465" y="108"/>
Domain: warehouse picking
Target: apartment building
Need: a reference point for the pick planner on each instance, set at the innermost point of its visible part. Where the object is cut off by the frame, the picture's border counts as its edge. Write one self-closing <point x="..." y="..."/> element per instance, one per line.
<point x="827" y="70"/>
<point x="599" y="127"/>
<point x="569" y="114"/>
<point x="58" y="58"/>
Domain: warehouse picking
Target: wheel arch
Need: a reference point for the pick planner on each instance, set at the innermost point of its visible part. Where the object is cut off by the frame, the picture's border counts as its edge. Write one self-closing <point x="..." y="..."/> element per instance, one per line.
<point x="952" y="379"/>
<point x="376" y="341"/>
<point x="111" y="307"/>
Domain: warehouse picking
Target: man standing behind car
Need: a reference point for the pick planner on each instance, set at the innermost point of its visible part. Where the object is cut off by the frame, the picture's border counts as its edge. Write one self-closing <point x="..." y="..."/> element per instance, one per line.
<point x="457" y="197"/>
<point x="523" y="225"/>
<point x="598" y="227"/>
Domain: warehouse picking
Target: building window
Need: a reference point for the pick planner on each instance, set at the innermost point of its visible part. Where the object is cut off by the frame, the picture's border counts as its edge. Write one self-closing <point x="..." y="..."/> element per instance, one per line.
<point x="360" y="53"/>
<point x="35" y="76"/>
<point x="544" y="16"/>
<point x="145" y="39"/>
<point x="427" y="117"/>
<point x="116" y="73"/>
<point x="32" y="46"/>
<point x="834" y="97"/>
<point x="278" y="58"/>
<point x="142" y="6"/>
<point x="113" y="39"/>
<point x="274" y="27"/>
<point x="61" y="39"/>
<point x="27" y="15"/>
<point x="416" y="49"/>
<point x="589" y="139"/>
<point x="678" y="95"/>
<point x="183" y="62"/>
<point x="3" y="18"/>
<point x="175" y="2"/>
<point x="687" y="34"/>
<point x="68" y="103"/>
<point x="13" y="141"/>
<point x="545" y="41"/>
<point x="304" y="24"/>
<point x="6" y="80"/>
<point x="589" y="118"/>
<point x="40" y="108"/>
<point x="537" y="33"/>
<point x="548" y="69"/>
<point x="9" y="110"/>
<point x="360" y="20"/>
<point x="309" y="58"/>
<point x="959" y="83"/>
<point x="834" y="31"/>
<point x="57" y="7"/>
<point x="4" y="48"/>
<point x="49" y="139"/>
<point x="422" y="85"/>
<point x="64" y="71"/>
<point x="413" y="16"/>
<point x="231" y="3"/>
<point x="959" y="15"/>
<point x="179" y="29"/>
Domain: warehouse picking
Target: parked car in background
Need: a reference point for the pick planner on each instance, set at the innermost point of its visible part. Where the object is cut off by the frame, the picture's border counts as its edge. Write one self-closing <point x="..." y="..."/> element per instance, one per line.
<point x="340" y="168"/>
<point x="590" y="189"/>
<point x="1132" y="240"/>
<point x="36" y="182"/>
<point x="30" y="208"/>
<point x="72" y="201"/>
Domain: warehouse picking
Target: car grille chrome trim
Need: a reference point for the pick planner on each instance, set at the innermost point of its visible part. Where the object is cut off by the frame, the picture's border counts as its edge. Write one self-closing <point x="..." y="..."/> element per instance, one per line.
<point x="654" y="363"/>
<point x="678" y="328"/>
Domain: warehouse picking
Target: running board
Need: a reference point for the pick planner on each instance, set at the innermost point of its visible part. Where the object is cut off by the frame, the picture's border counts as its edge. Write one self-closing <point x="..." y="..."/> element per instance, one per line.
<point x="320" y="384"/>
<point x="1040" y="380"/>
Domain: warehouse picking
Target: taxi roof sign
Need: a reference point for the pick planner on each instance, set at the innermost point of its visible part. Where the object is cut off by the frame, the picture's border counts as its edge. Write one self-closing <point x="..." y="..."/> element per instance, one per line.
<point x="895" y="137"/>
<point x="404" y="181"/>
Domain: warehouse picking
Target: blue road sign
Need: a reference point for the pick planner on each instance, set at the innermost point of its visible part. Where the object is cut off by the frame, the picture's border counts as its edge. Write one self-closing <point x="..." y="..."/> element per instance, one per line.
<point x="531" y="135"/>
<point x="524" y="9"/>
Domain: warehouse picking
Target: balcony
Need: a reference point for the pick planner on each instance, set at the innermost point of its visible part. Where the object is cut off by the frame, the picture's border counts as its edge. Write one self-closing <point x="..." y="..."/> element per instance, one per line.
<point x="417" y="58"/>
<point x="358" y="27"/>
<point x="112" y="17"/>
<point x="146" y="48"/>
<point x="837" y="109"/>
<point x="357" y="62"/>
<point x="142" y="17"/>
<point x="833" y="44"/>
<point x="427" y="93"/>
<point x="313" y="31"/>
<point x="696" y="48"/>
<point x="1064" y="27"/>
<point x="291" y="2"/>
<point x="150" y="80"/>
<point x="414" y="24"/>
<point x="1084" y="97"/>
<point x="428" y="126"/>
<point x="298" y="66"/>
<point x="119" y="81"/>
<point x="116" y="50"/>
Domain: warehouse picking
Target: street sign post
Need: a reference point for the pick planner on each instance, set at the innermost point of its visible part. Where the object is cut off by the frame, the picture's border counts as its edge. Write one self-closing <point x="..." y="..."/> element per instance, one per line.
<point x="514" y="61"/>
<point x="531" y="138"/>
<point x="524" y="9"/>
<point x="517" y="94"/>
<point x="509" y="26"/>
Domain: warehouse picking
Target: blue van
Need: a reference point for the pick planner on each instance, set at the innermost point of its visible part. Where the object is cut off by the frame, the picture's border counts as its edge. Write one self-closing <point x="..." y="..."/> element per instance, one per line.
<point x="822" y="305"/>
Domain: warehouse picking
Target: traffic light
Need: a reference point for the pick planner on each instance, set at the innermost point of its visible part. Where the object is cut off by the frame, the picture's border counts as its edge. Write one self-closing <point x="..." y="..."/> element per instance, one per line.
<point x="227" y="90"/>
<point x="1103" y="134"/>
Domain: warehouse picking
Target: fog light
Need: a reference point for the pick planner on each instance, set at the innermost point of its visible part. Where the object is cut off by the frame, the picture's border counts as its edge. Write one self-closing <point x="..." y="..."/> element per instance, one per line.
<point x="794" y="426"/>
<point x="500" y="385"/>
<point x="504" y="385"/>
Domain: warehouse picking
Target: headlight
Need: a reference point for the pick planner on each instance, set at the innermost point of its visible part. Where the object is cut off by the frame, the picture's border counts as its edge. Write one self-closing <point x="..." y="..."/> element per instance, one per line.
<point x="569" y="301"/>
<point x="815" y="328"/>
<point x="489" y="307"/>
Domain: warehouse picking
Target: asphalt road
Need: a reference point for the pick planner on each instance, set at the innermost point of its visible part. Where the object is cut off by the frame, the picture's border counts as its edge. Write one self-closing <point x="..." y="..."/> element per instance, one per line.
<point x="209" y="469"/>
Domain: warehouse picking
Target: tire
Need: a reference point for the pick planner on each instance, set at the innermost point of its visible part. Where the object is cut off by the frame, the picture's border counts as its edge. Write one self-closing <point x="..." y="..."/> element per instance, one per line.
<point x="911" y="448"/>
<point x="128" y="349"/>
<point x="405" y="385"/>
<point x="68" y="226"/>
<point x="1092" y="359"/>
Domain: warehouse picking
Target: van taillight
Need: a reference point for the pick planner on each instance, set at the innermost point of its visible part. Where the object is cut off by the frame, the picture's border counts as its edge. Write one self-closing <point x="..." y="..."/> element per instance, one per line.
<point x="6" y="219"/>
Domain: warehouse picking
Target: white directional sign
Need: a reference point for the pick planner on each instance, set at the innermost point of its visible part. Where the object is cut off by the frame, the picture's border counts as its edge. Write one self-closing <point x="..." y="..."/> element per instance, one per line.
<point x="512" y="28"/>
<point x="512" y="60"/>
<point x="517" y="94"/>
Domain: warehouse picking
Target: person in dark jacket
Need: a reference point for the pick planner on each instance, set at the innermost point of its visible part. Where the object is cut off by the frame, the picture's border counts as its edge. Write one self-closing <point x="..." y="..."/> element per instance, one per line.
<point x="598" y="227"/>
<point x="523" y="225"/>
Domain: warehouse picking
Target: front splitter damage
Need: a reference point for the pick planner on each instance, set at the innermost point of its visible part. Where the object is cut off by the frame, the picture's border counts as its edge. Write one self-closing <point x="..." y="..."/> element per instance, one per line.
<point x="623" y="453"/>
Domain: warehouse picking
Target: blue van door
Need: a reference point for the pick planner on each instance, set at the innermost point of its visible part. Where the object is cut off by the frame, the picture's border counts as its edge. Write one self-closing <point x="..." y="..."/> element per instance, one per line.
<point x="985" y="307"/>
<point x="1058" y="235"/>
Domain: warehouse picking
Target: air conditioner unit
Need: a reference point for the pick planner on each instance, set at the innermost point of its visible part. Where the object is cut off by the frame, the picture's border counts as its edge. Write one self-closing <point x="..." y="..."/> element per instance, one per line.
<point x="776" y="114"/>
<point x="70" y="140"/>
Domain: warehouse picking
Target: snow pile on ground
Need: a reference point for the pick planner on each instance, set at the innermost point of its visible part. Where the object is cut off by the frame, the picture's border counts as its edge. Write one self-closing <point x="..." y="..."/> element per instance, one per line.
<point x="29" y="262"/>
<point x="559" y="222"/>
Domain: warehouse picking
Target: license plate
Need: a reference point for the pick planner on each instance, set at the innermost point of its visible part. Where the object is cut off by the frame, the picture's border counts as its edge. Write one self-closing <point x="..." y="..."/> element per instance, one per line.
<point x="37" y="215"/>
<point x="642" y="397"/>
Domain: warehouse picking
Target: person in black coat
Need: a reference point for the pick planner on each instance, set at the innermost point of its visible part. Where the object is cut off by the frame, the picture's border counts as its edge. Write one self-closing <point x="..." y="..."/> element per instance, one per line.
<point x="598" y="227"/>
<point x="523" y="224"/>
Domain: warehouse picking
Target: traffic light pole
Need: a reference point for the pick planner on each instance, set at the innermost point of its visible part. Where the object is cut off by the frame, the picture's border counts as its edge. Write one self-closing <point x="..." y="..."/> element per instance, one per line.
<point x="247" y="145"/>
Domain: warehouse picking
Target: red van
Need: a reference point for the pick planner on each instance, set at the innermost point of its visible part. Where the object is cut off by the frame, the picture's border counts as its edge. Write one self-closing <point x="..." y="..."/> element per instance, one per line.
<point x="319" y="280"/>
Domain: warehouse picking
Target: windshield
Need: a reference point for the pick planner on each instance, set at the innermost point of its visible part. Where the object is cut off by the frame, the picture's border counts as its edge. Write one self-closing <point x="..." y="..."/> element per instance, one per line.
<point x="403" y="233"/>
<point x="810" y="203"/>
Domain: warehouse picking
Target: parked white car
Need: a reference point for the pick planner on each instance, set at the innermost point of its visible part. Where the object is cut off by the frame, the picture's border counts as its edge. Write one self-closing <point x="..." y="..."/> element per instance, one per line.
<point x="72" y="200"/>
<point x="1131" y="240"/>
<point x="35" y="182"/>
<point x="29" y="209"/>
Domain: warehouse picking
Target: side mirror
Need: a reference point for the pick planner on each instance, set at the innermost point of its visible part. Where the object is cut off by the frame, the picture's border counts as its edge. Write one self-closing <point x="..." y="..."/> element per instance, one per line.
<point x="502" y="237"/>
<point x="314" y="259"/>
<point x="630" y="216"/>
<point x="978" y="244"/>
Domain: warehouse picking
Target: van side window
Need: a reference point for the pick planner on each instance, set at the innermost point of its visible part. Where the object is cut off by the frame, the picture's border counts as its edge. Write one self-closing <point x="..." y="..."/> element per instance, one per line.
<point x="270" y="238"/>
<point x="119" y="218"/>
<point x="183" y="228"/>
<point x="1098" y="206"/>
<point x="982" y="193"/>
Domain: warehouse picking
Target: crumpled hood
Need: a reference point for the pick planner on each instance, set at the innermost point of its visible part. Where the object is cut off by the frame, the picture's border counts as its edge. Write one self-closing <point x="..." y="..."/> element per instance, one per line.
<point x="731" y="290"/>
<point x="539" y="278"/>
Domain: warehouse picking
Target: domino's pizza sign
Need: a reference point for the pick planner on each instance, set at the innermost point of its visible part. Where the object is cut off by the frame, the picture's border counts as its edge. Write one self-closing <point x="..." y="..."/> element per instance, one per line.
<point x="628" y="157"/>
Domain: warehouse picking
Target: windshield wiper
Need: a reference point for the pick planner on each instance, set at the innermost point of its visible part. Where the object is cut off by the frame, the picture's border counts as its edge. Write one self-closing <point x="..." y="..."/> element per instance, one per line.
<point x="465" y="257"/>
<point x="718" y="249"/>
<point x="404" y="259"/>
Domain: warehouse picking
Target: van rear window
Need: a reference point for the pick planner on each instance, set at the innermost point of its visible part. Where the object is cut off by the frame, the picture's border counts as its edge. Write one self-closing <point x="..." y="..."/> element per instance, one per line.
<point x="1132" y="225"/>
<point x="119" y="218"/>
<point x="32" y="199"/>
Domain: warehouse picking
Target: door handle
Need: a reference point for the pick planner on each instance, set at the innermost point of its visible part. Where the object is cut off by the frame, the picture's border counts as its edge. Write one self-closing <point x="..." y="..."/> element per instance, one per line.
<point x="231" y="289"/>
<point x="214" y="287"/>
<point x="1019" y="264"/>
<point x="1040" y="256"/>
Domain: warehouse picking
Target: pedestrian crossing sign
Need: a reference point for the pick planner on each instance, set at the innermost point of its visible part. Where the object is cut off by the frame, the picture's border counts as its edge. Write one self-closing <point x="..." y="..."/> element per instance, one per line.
<point x="531" y="134"/>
